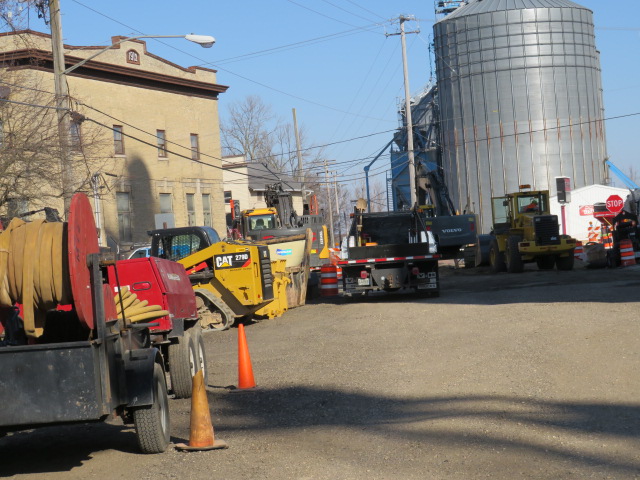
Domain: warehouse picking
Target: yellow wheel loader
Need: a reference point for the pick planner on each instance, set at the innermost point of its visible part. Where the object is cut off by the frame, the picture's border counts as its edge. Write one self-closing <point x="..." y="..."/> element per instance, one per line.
<point x="525" y="231"/>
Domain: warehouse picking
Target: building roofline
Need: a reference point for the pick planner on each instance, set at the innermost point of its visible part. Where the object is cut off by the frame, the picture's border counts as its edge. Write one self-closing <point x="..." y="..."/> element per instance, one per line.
<point x="111" y="71"/>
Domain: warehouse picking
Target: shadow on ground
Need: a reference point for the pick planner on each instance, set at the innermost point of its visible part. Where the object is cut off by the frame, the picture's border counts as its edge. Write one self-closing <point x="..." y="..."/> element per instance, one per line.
<point x="436" y="420"/>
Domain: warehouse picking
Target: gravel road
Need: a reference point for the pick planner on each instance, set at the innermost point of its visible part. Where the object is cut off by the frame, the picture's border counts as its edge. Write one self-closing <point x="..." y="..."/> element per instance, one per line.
<point x="531" y="375"/>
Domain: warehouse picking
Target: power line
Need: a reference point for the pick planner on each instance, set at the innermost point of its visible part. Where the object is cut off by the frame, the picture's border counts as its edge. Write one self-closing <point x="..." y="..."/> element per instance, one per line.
<point x="205" y="62"/>
<point x="363" y="8"/>
<point x="345" y="10"/>
<point x="319" y="13"/>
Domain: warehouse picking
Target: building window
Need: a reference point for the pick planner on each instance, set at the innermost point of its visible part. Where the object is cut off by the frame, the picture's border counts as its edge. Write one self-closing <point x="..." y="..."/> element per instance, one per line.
<point x="166" y="205"/>
<point x="206" y="209"/>
<point x="162" y="143"/>
<point x="75" y="137"/>
<point x="195" y="147"/>
<point x="191" y="210"/>
<point x="118" y="140"/>
<point x="123" y="201"/>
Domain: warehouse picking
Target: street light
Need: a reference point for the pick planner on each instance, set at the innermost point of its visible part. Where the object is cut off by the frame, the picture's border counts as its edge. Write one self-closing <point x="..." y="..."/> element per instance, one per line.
<point x="205" y="41"/>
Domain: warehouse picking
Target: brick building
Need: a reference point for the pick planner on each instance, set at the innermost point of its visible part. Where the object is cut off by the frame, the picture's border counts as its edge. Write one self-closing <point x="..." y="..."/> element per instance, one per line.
<point x="160" y="157"/>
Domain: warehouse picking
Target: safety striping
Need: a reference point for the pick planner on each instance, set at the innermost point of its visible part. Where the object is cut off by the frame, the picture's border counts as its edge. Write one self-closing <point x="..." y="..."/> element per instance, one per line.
<point x="389" y="259"/>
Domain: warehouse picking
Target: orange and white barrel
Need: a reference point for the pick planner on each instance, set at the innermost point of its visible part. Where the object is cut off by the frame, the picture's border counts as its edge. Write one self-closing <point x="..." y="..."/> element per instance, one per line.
<point x="578" y="252"/>
<point x="627" y="255"/>
<point x="328" y="280"/>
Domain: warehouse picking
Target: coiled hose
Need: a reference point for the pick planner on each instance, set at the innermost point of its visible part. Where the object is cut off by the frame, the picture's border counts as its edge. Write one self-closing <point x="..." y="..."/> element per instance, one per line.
<point x="134" y="309"/>
<point x="34" y="272"/>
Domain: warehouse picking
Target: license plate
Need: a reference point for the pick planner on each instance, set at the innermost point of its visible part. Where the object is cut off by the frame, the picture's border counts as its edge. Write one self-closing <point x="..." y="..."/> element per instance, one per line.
<point x="363" y="281"/>
<point x="424" y="286"/>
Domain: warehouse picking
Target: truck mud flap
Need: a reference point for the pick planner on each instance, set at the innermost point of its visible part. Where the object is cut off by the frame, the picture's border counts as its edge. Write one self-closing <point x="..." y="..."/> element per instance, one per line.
<point x="52" y="383"/>
<point x="139" y="365"/>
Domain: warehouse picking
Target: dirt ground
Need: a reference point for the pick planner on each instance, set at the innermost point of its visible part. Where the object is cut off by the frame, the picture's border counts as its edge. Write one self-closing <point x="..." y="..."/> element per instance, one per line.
<point x="531" y="375"/>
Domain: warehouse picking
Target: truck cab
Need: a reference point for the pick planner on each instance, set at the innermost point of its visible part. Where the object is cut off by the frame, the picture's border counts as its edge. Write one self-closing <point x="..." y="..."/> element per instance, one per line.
<point x="177" y="243"/>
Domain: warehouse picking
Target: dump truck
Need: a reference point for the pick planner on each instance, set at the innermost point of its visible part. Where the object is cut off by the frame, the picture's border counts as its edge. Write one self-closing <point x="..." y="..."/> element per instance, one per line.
<point x="525" y="231"/>
<point x="389" y="251"/>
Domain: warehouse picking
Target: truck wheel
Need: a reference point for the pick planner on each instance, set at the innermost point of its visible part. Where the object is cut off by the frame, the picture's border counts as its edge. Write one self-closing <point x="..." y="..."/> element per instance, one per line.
<point x="183" y="361"/>
<point x="211" y="318"/>
<point x="152" y="423"/>
<point x="514" y="260"/>
<point x="201" y="357"/>
<point x="565" y="263"/>
<point x="546" y="262"/>
<point x="496" y="257"/>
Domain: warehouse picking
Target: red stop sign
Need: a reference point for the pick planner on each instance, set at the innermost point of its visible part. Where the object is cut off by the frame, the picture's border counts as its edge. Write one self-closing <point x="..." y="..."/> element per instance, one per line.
<point x="615" y="203"/>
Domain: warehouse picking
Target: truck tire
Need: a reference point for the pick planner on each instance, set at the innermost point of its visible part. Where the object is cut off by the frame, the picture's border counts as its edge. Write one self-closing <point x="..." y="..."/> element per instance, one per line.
<point x="183" y="361"/>
<point x="546" y="263"/>
<point x="152" y="423"/>
<point x="496" y="257"/>
<point x="565" y="263"/>
<point x="513" y="258"/>
<point x="201" y="358"/>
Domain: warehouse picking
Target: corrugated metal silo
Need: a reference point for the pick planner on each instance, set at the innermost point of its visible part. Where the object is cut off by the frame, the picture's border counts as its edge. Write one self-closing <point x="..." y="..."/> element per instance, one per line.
<point x="520" y="99"/>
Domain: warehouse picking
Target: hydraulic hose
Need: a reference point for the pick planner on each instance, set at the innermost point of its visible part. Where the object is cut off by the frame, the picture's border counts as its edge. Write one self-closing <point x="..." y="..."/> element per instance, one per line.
<point x="132" y="309"/>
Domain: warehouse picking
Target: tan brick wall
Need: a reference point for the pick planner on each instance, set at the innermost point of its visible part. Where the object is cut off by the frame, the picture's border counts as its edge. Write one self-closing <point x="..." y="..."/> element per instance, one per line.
<point x="140" y="171"/>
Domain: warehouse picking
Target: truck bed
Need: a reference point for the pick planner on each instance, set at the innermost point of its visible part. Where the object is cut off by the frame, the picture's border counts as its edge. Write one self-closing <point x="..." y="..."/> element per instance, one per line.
<point x="52" y="383"/>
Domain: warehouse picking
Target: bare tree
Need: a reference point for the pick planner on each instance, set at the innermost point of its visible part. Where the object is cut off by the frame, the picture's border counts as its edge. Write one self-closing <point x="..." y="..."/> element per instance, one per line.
<point x="30" y="165"/>
<point x="377" y="194"/>
<point x="14" y="14"/>
<point x="249" y="130"/>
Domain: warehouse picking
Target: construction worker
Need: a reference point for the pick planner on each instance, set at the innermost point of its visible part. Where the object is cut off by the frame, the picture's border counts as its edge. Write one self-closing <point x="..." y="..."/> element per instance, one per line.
<point x="629" y="212"/>
<point x="259" y="223"/>
<point x="625" y="225"/>
<point x="532" y="207"/>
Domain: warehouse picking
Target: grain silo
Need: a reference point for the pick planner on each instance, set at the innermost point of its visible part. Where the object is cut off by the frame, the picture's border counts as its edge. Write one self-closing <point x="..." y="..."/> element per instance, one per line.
<point x="520" y="99"/>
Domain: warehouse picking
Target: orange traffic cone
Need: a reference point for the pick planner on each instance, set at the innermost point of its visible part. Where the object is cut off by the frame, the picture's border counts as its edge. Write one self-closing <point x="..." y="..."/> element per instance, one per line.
<point x="245" y="371"/>
<point x="201" y="430"/>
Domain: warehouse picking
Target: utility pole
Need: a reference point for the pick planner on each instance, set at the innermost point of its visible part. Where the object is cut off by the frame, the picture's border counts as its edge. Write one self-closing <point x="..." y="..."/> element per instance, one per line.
<point x="63" y="104"/>
<point x="335" y="188"/>
<point x="300" y="175"/>
<point x="326" y="179"/>
<point x="407" y="107"/>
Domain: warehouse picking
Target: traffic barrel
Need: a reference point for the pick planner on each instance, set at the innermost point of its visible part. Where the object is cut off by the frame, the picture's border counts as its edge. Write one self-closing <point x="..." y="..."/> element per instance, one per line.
<point x="328" y="280"/>
<point x="627" y="255"/>
<point x="578" y="253"/>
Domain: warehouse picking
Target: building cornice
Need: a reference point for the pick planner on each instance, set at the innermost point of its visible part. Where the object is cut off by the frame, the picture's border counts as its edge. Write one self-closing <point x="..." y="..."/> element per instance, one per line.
<point x="38" y="59"/>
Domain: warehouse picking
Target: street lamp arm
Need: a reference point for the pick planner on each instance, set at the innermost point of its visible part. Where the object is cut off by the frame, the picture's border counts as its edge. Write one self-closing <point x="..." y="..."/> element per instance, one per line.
<point x="205" y="41"/>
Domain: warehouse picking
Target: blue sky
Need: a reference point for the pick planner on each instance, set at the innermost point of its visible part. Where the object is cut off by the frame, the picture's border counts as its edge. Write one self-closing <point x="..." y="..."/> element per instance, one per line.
<point x="338" y="69"/>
